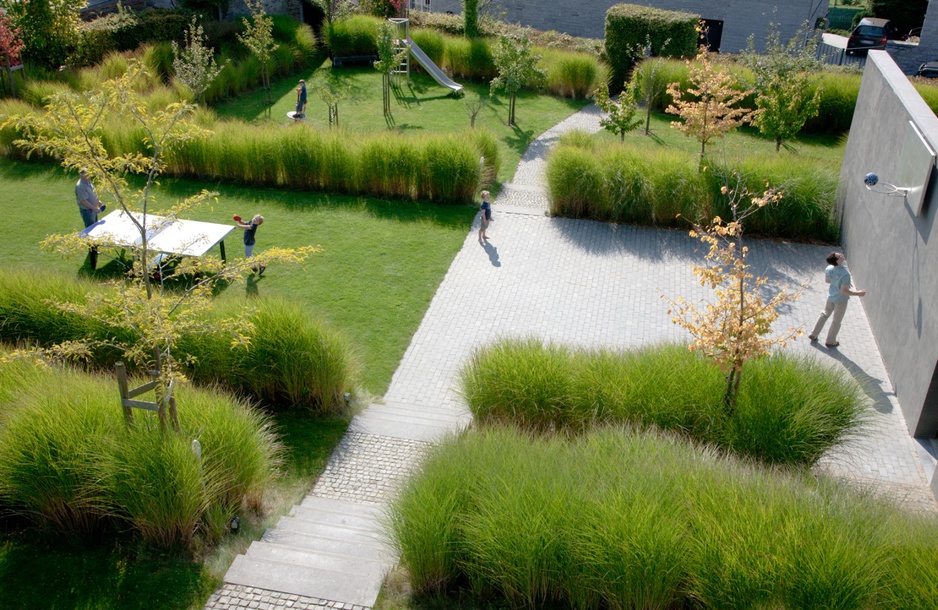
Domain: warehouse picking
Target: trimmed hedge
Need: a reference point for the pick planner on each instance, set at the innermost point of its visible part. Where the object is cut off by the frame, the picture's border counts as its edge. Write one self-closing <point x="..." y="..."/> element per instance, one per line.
<point x="618" y="519"/>
<point x="631" y="27"/>
<point x="790" y="410"/>
<point x="291" y="362"/>
<point x="614" y="182"/>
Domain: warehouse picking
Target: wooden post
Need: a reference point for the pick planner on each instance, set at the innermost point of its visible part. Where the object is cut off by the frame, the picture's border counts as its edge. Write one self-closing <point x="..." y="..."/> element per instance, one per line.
<point x="125" y="393"/>
<point x="163" y="399"/>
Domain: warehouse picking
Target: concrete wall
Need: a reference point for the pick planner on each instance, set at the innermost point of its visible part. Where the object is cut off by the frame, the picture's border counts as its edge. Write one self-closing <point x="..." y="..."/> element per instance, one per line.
<point x="890" y="250"/>
<point x="741" y="18"/>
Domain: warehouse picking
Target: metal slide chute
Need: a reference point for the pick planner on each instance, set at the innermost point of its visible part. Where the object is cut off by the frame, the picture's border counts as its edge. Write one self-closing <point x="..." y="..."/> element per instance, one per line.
<point x="431" y="68"/>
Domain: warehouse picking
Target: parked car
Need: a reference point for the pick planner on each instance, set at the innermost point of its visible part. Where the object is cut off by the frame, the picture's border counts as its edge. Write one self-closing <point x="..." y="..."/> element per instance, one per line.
<point x="870" y="33"/>
<point x="928" y="69"/>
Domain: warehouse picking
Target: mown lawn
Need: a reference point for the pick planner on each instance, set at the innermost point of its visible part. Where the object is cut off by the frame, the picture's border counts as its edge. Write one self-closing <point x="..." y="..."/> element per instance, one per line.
<point x="380" y="264"/>
<point x="827" y="150"/>
<point x="421" y="105"/>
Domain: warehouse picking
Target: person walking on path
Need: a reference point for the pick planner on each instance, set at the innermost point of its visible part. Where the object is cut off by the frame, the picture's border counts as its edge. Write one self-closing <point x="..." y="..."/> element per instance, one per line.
<point x="486" y="217"/>
<point x="88" y="203"/>
<point x="838" y="295"/>
<point x="250" y="233"/>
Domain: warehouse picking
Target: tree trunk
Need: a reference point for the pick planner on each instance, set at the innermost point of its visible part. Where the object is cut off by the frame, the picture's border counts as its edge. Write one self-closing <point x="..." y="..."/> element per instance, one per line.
<point x="647" y="118"/>
<point x="778" y="144"/>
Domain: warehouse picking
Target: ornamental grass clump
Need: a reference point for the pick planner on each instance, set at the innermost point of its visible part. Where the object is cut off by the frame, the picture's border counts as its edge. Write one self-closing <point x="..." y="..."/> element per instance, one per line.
<point x="289" y="360"/>
<point x="625" y="519"/>
<point x="573" y="75"/>
<point x="624" y="182"/>
<point x="789" y="410"/>
<point x="71" y="465"/>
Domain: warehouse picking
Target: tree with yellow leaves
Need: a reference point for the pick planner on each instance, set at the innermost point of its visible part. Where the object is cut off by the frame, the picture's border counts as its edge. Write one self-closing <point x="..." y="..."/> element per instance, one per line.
<point x="144" y="317"/>
<point x="737" y="326"/>
<point x="709" y="110"/>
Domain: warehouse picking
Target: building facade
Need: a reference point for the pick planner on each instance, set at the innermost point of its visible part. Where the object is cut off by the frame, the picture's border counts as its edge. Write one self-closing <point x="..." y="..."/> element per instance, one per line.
<point x="736" y="20"/>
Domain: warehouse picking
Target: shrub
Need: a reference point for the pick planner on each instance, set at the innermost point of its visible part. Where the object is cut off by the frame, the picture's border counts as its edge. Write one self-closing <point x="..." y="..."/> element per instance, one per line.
<point x="625" y="183"/>
<point x="630" y="27"/>
<point x="293" y="361"/>
<point x="618" y="519"/>
<point x="357" y="35"/>
<point x="72" y="465"/>
<point x="552" y="388"/>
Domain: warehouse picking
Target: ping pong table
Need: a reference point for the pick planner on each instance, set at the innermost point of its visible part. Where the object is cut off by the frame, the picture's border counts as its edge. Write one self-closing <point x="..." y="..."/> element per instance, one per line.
<point x="166" y="235"/>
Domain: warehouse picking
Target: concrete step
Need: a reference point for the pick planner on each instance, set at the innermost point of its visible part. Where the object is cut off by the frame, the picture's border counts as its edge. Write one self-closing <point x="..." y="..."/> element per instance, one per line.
<point x="409" y="421"/>
<point x="317" y="515"/>
<point x="342" y="506"/>
<point x="339" y="546"/>
<point x="435" y="413"/>
<point x="332" y="585"/>
<point x="371" y="567"/>
<point x="338" y="532"/>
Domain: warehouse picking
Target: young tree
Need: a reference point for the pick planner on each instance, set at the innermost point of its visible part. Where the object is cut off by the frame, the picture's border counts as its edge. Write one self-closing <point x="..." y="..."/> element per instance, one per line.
<point x="48" y="28"/>
<point x="709" y="110"/>
<point x="620" y="113"/>
<point x="334" y="10"/>
<point x="389" y="58"/>
<point x="474" y="107"/>
<point x="195" y="65"/>
<point x="517" y="68"/>
<point x="144" y="317"/>
<point x="258" y="37"/>
<point x="331" y="92"/>
<point x="10" y="47"/>
<point x="735" y="328"/>
<point x="646" y="87"/>
<point x="470" y="11"/>
<point x="786" y="85"/>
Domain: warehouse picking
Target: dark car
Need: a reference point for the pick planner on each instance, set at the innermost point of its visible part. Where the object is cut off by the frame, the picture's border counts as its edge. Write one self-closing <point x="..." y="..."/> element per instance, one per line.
<point x="928" y="70"/>
<point x="869" y="34"/>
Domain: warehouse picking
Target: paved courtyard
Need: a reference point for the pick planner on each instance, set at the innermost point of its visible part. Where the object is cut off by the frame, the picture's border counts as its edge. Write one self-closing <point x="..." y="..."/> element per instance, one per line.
<point x="569" y="281"/>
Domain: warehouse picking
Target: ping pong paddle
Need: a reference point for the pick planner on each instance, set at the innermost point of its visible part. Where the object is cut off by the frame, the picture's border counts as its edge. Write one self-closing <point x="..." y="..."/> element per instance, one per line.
<point x="103" y="207"/>
<point x="237" y="218"/>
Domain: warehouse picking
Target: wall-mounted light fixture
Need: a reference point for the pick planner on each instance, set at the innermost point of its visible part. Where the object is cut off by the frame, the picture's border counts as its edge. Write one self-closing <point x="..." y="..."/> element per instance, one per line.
<point x="871" y="180"/>
<point x="914" y="166"/>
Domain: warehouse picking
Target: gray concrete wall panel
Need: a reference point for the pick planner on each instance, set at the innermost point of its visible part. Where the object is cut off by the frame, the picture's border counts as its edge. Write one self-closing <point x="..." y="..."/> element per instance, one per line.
<point x="741" y="18"/>
<point x="891" y="251"/>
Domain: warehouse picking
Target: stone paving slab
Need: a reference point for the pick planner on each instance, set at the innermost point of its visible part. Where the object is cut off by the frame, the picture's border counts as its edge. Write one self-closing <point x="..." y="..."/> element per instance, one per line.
<point x="593" y="284"/>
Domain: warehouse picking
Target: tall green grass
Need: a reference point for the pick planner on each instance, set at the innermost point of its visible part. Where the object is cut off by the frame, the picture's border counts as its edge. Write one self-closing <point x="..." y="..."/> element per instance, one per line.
<point x="291" y="360"/>
<point x="616" y="182"/>
<point x="73" y="467"/>
<point x="574" y="75"/>
<point x="619" y="519"/>
<point x="790" y="410"/>
<point x="437" y="167"/>
<point x="355" y="36"/>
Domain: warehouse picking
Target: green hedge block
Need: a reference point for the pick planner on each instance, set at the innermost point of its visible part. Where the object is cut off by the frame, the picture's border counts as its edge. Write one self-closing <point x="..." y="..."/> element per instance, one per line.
<point x="841" y="17"/>
<point x="631" y="27"/>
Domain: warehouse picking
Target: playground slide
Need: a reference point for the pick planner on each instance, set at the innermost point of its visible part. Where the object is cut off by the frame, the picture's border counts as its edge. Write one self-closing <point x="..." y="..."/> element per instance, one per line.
<point x="434" y="70"/>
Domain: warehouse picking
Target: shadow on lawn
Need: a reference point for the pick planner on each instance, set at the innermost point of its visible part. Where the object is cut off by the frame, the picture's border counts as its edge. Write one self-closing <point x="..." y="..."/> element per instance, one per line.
<point x="42" y="575"/>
